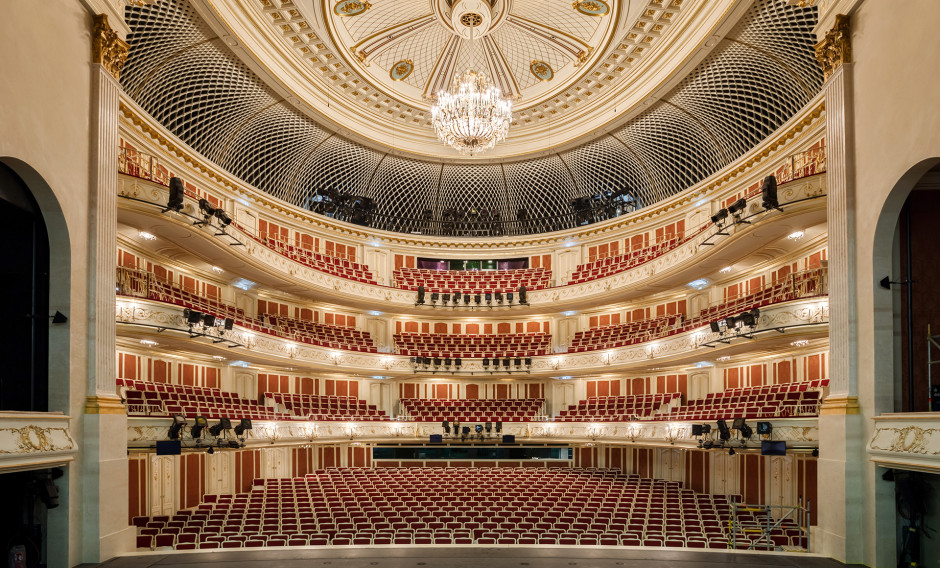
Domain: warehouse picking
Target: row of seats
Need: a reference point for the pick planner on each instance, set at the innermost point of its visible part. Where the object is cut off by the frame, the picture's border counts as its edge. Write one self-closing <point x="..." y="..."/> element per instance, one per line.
<point x="472" y="410"/>
<point x="323" y="407"/>
<point x="141" y="284"/>
<point x="618" y="408"/>
<point x="355" y="506"/>
<point x="145" y="398"/>
<point x="329" y="264"/>
<point x="604" y="267"/>
<point x="473" y="346"/>
<point x="472" y="281"/>
<point x="806" y="284"/>
<point x="322" y="334"/>
<point x="788" y="400"/>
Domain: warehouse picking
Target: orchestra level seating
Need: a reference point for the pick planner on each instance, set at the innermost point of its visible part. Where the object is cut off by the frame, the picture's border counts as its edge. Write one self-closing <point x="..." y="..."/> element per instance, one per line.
<point x="472" y="410"/>
<point x="473" y="346"/>
<point x="441" y="506"/>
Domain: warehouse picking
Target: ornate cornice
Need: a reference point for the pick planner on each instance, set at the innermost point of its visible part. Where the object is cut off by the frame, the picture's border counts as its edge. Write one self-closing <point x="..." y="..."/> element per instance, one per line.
<point x="836" y="48"/>
<point x="839" y="405"/>
<point x="906" y="441"/>
<point x="107" y="48"/>
<point x="29" y="440"/>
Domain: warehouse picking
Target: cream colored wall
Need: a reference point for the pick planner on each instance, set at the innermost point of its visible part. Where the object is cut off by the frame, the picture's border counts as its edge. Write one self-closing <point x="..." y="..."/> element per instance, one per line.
<point x="897" y="128"/>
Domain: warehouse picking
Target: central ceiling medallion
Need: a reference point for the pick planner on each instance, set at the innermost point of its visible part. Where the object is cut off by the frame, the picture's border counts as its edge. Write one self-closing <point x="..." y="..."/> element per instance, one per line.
<point x="473" y="115"/>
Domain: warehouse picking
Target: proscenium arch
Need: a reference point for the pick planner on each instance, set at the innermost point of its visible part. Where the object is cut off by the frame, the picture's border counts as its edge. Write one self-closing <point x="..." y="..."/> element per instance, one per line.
<point x="60" y="270"/>
<point x="887" y="362"/>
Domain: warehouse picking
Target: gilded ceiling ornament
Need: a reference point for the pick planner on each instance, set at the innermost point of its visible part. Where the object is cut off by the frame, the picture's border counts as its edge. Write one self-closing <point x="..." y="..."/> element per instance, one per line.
<point x="107" y="48"/>
<point x="836" y="48"/>
<point x="401" y="70"/>
<point x="543" y="71"/>
<point x="351" y="7"/>
<point x="592" y="7"/>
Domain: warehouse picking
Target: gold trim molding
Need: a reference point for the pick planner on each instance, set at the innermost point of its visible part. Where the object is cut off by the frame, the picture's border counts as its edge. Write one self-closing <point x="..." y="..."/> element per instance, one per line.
<point x="104" y="405"/>
<point x="839" y="406"/>
<point x="836" y="48"/>
<point x="107" y="48"/>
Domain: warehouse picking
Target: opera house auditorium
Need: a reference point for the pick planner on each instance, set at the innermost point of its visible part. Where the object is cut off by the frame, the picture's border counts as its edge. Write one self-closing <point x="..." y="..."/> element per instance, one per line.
<point x="470" y="283"/>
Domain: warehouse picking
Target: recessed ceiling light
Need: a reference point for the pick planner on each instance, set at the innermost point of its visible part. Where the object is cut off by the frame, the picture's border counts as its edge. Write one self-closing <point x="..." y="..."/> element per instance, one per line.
<point x="148" y="343"/>
<point x="725" y="270"/>
<point x="800" y="343"/>
<point x="147" y="236"/>
<point x="217" y="270"/>
<point x="795" y="235"/>
<point x="723" y="358"/>
<point x="698" y="284"/>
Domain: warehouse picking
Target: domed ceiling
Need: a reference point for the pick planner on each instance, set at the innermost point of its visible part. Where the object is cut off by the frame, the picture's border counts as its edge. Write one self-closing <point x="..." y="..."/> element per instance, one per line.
<point x="615" y="102"/>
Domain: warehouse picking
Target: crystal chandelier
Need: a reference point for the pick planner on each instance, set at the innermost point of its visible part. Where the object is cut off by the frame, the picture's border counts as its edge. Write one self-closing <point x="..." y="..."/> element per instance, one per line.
<point x="472" y="117"/>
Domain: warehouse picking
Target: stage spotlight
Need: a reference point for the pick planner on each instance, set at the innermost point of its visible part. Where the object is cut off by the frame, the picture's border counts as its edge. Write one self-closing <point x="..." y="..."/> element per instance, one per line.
<point x="196" y="431"/>
<point x="523" y="299"/>
<point x="506" y="362"/>
<point x="499" y="427"/>
<point x="765" y="428"/>
<point x="192" y="317"/>
<point x="208" y="210"/>
<point x="478" y="299"/>
<point x="224" y="424"/>
<point x="508" y="297"/>
<point x="489" y="427"/>
<point x="719" y="218"/>
<point x="229" y="324"/>
<point x="723" y="432"/>
<point x="175" y="200"/>
<point x="730" y="322"/>
<point x="447" y="361"/>
<point x="518" y="362"/>
<point x="528" y="361"/>
<point x="486" y="363"/>
<point x="437" y="361"/>
<point x="731" y="452"/>
<point x="466" y="299"/>
<point x="177" y="428"/>
<point x="769" y="193"/>
<point x="458" y="362"/>
<point x="59" y="317"/>
<point x="478" y="428"/>
<point x="737" y="424"/>
<point x="420" y="295"/>
<point x="715" y="327"/>
<point x="446" y="426"/>
<point x="737" y="209"/>
<point x="244" y="424"/>
<point x="208" y="320"/>
<point x="697" y="430"/>
<point x="445" y="299"/>
<point x="435" y="297"/>
<point x="224" y="219"/>
<point x="746" y="431"/>
<point x="499" y="297"/>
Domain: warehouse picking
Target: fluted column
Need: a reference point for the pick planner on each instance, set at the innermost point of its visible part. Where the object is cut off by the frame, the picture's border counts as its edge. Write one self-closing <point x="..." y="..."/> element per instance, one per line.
<point x="104" y="459"/>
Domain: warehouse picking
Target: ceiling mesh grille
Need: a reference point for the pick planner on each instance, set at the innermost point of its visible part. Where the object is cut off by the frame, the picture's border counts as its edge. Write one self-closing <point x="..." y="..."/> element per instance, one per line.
<point x="761" y="74"/>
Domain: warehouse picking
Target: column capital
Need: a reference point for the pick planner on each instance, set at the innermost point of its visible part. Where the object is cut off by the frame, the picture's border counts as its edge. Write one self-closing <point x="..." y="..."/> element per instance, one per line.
<point x="839" y="405"/>
<point x="107" y="47"/>
<point x="836" y="48"/>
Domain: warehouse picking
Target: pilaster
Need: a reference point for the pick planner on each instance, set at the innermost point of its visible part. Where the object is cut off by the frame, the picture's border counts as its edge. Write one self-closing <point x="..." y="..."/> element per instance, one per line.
<point x="104" y="460"/>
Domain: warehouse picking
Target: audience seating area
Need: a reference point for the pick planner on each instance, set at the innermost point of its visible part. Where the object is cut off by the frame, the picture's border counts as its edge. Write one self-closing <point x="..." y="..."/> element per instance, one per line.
<point x="472" y="281"/>
<point x="790" y="400"/>
<point x="626" y="334"/>
<point x="441" y="506"/>
<point x="333" y="265"/>
<point x="322" y="407"/>
<point x="473" y="410"/>
<point x="141" y="284"/>
<point x="321" y="334"/>
<point x="795" y="286"/>
<point x="619" y="408"/>
<point x="473" y="346"/>
<point x="145" y="398"/>
<point x="604" y="267"/>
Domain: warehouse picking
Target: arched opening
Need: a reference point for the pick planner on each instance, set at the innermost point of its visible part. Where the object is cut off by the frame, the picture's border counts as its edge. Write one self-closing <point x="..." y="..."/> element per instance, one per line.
<point x="24" y="274"/>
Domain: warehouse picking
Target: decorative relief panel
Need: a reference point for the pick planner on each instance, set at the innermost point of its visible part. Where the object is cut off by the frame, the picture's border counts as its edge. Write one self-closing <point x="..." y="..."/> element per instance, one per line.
<point x="906" y="441"/>
<point x="35" y="438"/>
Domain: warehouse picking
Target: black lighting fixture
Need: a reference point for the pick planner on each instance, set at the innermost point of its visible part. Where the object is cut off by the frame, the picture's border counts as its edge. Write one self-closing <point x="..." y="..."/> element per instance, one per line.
<point x="59" y="317"/>
<point x="478" y="299"/>
<point x="446" y="426"/>
<point x="731" y="451"/>
<point x="466" y="299"/>
<point x="435" y="297"/>
<point x="499" y="297"/>
<point x="176" y="429"/>
<point x="437" y="361"/>
<point x="697" y="430"/>
<point x="208" y="211"/>
<point x="447" y="361"/>
<point x="192" y="317"/>
<point x="769" y="193"/>
<point x="201" y="424"/>
<point x="486" y="363"/>
<point x="489" y="427"/>
<point x="458" y="362"/>
<point x="523" y="299"/>
<point x="420" y="299"/>
<point x="244" y="424"/>
<point x="208" y="320"/>
<point x="489" y="298"/>
<point x="224" y="424"/>
<point x="499" y="427"/>
<point x="506" y="362"/>
<point x="478" y="428"/>
<point x="750" y="318"/>
<point x="736" y="210"/>
<point x="175" y="200"/>
<point x="518" y="362"/>
<point x="228" y="324"/>
<point x="715" y="327"/>
<point x="765" y="428"/>
<point x="508" y="297"/>
<point x="223" y="217"/>
<point x="724" y="433"/>
<point x="731" y="322"/>
<point x="528" y="361"/>
<point x="719" y="218"/>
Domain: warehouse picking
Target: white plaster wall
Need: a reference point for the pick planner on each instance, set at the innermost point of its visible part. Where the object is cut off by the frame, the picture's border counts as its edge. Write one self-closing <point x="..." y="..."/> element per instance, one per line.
<point x="897" y="126"/>
<point x="44" y="121"/>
